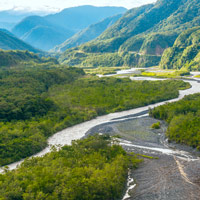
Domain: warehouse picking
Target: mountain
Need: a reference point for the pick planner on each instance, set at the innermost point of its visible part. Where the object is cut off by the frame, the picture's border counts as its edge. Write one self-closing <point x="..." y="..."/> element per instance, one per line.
<point x="40" y="33"/>
<point x="9" y="42"/>
<point x="88" y="34"/>
<point x="51" y="30"/>
<point x="185" y="53"/>
<point x="38" y="37"/>
<point x="78" y="18"/>
<point x="142" y="34"/>
<point x="9" y="18"/>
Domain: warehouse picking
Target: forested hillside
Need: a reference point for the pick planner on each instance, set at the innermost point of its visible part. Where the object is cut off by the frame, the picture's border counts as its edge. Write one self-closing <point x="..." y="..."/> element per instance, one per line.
<point x="16" y="58"/>
<point x="51" y="30"/>
<point x="183" y="118"/>
<point x="143" y="33"/>
<point x="9" y="42"/>
<point x="41" y="33"/>
<point x="88" y="34"/>
<point x="185" y="53"/>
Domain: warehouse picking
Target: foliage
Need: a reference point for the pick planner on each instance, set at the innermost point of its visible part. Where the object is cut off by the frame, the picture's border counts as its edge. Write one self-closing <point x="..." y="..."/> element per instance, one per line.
<point x="87" y="34"/>
<point x="171" y="74"/>
<point x="183" y="118"/>
<point x="156" y="125"/>
<point x="89" y="169"/>
<point x="37" y="101"/>
<point x="93" y="60"/>
<point x="143" y="34"/>
<point x="9" y="42"/>
<point x="24" y="105"/>
<point x="15" y="57"/>
<point x="185" y="54"/>
<point x="104" y="70"/>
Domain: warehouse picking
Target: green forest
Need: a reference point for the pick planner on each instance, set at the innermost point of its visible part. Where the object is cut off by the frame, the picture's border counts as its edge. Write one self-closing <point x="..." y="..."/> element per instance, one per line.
<point x="141" y="35"/>
<point x="185" y="53"/>
<point x="38" y="100"/>
<point x="183" y="118"/>
<point x="43" y="93"/>
<point x="88" y="169"/>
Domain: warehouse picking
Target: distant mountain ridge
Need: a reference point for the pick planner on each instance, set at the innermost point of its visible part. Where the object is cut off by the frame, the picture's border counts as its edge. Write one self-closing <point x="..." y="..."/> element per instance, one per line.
<point x="56" y="28"/>
<point x="41" y="33"/>
<point x="88" y="34"/>
<point x="78" y="18"/>
<point x="9" y="18"/>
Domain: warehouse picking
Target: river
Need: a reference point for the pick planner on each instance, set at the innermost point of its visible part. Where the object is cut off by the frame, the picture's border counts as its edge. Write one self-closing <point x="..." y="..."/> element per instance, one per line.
<point x="78" y="131"/>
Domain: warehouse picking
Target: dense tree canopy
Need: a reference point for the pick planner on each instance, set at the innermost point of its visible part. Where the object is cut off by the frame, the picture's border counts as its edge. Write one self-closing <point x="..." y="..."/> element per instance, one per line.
<point x="89" y="169"/>
<point x="36" y="102"/>
<point x="183" y="118"/>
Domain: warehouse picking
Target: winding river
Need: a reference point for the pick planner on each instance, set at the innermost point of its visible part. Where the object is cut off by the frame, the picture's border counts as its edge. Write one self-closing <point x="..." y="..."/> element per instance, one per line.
<point x="78" y="131"/>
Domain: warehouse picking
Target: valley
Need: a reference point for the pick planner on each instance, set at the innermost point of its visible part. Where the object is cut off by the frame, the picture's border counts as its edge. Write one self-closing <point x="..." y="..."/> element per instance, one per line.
<point x="100" y="102"/>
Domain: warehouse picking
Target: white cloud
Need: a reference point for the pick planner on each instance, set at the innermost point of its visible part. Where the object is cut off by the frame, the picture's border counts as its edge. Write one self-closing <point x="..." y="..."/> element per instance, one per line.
<point x="61" y="4"/>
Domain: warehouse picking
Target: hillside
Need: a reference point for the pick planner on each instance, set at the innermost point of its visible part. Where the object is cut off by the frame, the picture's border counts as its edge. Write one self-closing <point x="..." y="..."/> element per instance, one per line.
<point x="185" y="52"/>
<point x="41" y="33"/>
<point x="143" y="33"/>
<point x="45" y="38"/>
<point x="10" y="42"/>
<point x="88" y="34"/>
<point x="13" y="58"/>
<point x="51" y="30"/>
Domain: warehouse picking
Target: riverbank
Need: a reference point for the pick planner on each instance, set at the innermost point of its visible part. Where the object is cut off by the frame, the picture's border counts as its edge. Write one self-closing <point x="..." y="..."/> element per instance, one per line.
<point x="174" y="174"/>
<point x="65" y="136"/>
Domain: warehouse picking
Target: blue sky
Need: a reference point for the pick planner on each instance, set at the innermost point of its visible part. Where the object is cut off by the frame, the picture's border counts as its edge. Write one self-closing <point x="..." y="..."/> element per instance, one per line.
<point x="56" y="5"/>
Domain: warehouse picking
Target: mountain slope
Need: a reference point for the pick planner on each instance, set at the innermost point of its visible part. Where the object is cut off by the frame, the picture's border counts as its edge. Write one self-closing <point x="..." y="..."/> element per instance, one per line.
<point x="185" y="52"/>
<point x="88" y="34"/>
<point x="136" y="22"/>
<point x="40" y="33"/>
<point x="45" y="38"/>
<point x="54" y="29"/>
<point x="10" y="42"/>
<point x="143" y="33"/>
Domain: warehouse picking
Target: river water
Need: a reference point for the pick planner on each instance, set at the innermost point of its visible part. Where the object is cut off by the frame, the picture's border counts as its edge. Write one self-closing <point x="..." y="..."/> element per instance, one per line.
<point x="78" y="131"/>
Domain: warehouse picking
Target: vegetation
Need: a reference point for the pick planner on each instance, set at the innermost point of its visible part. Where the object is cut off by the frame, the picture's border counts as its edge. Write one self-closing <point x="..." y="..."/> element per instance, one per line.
<point x="171" y="74"/>
<point x="45" y="32"/>
<point x="37" y="101"/>
<point x="24" y="107"/>
<point x="88" y="34"/>
<point x="73" y="57"/>
<point x="185" y="54"/>
<point x="183" y="118"/>
<point x="156" y="125"/>
<point x="16" y="57"/>
<point x="88" y="169"/>
<point x="103" y="70"/>
<point x="9" y="42"/>
<point x="141" y="35"/>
